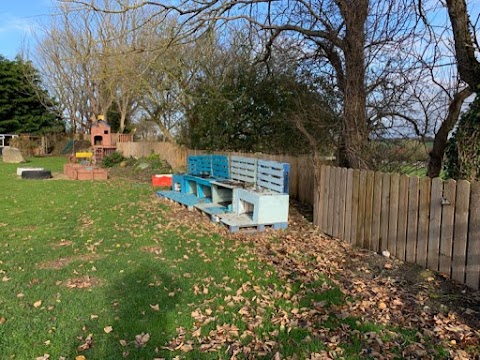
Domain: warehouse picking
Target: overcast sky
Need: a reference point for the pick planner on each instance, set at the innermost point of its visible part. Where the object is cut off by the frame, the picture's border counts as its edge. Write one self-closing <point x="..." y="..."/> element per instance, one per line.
<point x="17" y="21"/>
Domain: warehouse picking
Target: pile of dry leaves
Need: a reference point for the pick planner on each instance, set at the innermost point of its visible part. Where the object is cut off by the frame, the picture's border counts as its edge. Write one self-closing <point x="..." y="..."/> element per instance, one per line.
<point x="395" y="296"/>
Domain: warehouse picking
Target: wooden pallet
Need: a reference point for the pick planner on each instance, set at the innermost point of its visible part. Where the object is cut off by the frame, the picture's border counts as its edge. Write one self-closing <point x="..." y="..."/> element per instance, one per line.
<point x="187" y="200"/>
<point x="244" y="223"/>
<point x="214" y="211"/>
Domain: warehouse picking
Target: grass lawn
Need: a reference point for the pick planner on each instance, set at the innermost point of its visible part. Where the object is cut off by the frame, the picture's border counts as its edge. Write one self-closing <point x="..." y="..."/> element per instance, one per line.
<point x="106" y="270"/>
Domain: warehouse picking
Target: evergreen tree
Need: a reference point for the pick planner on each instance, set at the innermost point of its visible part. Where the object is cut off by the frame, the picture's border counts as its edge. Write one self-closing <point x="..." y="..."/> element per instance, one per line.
<point x="24" y="106"/>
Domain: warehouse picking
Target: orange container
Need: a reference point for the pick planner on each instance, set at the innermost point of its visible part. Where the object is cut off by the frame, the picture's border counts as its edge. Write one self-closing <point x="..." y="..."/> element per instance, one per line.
<point x="162" y="180"/>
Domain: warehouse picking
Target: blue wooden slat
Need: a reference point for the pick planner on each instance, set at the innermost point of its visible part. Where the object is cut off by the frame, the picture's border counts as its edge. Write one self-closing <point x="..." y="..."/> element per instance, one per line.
<point x="220" y="166"/>
<point x="199" y="164"/>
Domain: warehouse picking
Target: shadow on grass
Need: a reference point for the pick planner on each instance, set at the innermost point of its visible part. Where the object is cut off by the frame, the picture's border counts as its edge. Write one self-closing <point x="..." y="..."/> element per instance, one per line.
<point x="141" y="305"/>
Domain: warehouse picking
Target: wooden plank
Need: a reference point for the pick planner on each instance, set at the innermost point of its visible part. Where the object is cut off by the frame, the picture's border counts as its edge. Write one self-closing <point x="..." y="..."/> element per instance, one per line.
<point x="402" y="217"/>
<point x="348" y="205"/>
<point x="343" y="191"/>
<point x="361" y="208"/>
<point x="336" y="207"/>
<point x="331" y="202"/>
<point x="326" y="195"/>
<point x="435" y="224"/>
<point x="355" y="194"/>
<point x="448" y="221"/>
<point x="377" y="211"/>
<point x="385" y="212"/>
<point x="393" y="214"/>
<point x="317" y="205"/>
<point x="460" y="231"/>
<point x="412" y="220"/>
<point x="423" y="219"/>
<point x="367" y="237"/>
<point x="473" y="251"/>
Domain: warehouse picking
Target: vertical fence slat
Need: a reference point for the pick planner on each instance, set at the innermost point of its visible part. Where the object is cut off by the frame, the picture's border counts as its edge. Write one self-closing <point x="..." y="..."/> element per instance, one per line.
<point x="326" y="208"/>
<point x="385" y="211"/>
<point x="435" y="224"/>
<point x="331" y="202"/>
<point x="402" y="217"/>
<point x="355" y="194"/>
<point x="336" y="208"/>
<point x="348" y="206"/>
<point x="473" y="251"/>
<point x="377" y="211"/>
<point x="412" y="219"/>
<point x="460" y="231"/>
<point x="448" y="218"/>
<point x="361" y="208"/>
<point x="423" y="217"/>
<point x="393" y="214"/>
<point x="317" y="207"/>
<point x="343" y="195"/>
<point x="367" y="237"/>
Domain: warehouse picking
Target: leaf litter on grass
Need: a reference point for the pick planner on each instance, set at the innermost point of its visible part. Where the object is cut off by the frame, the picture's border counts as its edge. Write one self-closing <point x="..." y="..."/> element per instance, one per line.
<point x="337" y="294"/>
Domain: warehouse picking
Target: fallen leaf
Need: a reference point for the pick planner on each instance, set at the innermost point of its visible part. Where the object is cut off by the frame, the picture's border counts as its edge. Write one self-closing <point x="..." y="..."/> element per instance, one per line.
<point x="80" y="357"/>
<point x="123" y="342"/>
<point x="2" y="320"/>
<point x="108" y="329"/>
<point x="43" y="357"/>
<point x="141" y="339"/>
<point x="37" y="304"/>
<point x="88" y="342"/>
<point x="93" y="317"/>
<point x="155" y="307"/>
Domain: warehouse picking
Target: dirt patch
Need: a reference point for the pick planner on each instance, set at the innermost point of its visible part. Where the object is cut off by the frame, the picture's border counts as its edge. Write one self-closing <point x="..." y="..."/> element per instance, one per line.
<point x="63" y="262"/>
<point x="83" y="282"/>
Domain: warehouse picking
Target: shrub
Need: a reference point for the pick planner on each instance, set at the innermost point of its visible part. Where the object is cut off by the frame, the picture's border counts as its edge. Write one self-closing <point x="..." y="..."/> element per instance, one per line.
<point x="113" y="159"/>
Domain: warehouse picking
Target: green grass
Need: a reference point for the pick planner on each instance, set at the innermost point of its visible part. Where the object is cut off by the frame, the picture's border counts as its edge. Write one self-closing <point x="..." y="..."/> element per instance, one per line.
<point x="152" y="273"/>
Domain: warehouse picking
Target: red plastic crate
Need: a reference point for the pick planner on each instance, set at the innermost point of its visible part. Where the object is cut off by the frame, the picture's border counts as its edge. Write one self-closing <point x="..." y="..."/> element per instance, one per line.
<point x="162" y="180"/>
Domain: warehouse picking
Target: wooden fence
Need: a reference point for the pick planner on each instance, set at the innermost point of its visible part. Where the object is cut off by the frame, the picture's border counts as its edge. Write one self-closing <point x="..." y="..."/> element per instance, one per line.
<point x="175" y="155"/>
<point x="430" y="222"/>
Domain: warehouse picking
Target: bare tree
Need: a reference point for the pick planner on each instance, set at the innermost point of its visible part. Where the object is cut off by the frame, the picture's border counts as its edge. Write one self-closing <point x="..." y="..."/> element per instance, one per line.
<point x="346" y="38"/>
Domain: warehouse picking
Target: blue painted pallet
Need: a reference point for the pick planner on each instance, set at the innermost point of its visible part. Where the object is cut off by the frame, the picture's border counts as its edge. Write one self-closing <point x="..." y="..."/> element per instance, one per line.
<point x="199" y="164"/>
<point x="213" y="210"/>
<point x="220" y="167"/>
<point x="274" y="176"/>
<point x="244" y="222"/>
<point x="189" y="200"/>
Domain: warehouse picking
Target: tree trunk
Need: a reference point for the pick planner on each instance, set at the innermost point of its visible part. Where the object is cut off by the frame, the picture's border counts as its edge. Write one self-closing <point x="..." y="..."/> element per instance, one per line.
<point x="467" y="64"/>
<point x="435" y="160"/>
<point x="355" y="128"/>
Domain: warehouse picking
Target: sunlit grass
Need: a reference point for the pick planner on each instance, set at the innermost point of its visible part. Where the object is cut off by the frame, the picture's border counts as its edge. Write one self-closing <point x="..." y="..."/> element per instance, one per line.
<point x="79" y="257"/>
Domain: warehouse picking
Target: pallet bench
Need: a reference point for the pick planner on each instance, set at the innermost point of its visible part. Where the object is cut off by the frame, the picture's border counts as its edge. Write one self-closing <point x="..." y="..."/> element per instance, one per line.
<point x="245" y="194"/>
<point x="195" y="185"/>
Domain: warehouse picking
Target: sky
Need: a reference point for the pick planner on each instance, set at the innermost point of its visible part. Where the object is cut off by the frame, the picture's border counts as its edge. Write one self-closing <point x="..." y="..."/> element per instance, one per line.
<point x="18" y="19"/>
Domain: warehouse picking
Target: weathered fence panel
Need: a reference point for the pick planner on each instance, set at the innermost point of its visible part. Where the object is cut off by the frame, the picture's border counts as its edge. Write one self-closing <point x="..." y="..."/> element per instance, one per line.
<point x="473" y="251"/>
<point x="448" y="221"/>
<point x="412" y="219"/>
<point x="402" y="218"/>
<point x="430" y="222"/>
<point x="377" y="212"/>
